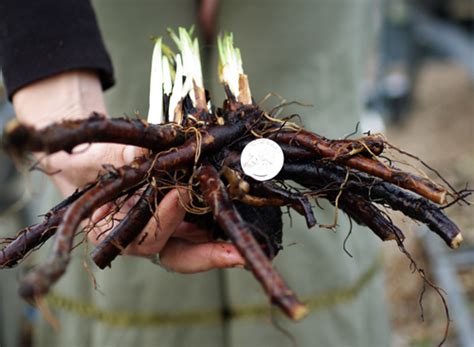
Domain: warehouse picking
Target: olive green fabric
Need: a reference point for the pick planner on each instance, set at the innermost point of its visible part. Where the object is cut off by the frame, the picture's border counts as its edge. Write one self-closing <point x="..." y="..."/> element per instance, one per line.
<point x="308" y="51"/>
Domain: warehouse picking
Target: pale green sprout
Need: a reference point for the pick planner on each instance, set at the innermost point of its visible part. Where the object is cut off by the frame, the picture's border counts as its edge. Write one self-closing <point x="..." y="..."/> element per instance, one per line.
<point x="191" y="61"/>
<point x="230" y="63"/>
<point x="168" y="52"/>
<point x="167" y="72"/>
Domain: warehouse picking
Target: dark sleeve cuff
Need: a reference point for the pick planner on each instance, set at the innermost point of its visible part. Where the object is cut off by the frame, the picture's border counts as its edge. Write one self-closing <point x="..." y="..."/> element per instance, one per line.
<point x="42" y="38"/>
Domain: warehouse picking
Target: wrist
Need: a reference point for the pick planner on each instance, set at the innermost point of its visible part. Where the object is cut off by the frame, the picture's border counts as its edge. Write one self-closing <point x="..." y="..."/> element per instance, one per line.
<point x="69" y="95"/>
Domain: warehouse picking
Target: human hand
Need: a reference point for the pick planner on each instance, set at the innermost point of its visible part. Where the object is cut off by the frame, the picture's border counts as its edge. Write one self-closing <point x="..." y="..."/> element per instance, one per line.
<point x="75" y="94"/>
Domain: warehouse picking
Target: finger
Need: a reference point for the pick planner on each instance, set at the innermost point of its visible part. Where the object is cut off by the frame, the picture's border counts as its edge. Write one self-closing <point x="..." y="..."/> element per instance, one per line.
<point x="112" y="154"/>
<point x="186" y="257"/>
<point x="159" y="229"/>
<point x="83" y="165"/>
<point x="192" y="233"/>
<point x="103" y="225"/>
<point x="102" y="212"/>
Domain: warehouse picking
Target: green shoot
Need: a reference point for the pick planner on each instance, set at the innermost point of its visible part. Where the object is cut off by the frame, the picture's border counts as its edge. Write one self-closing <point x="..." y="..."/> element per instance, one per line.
<point x="231" y="72"/>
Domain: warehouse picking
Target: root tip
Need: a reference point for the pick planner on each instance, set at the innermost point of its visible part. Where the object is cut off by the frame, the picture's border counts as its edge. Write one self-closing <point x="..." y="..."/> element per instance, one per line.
<point x="456" y="242"/>
<point x="299" y="312"/>
<point x="442" y="198"/>
<point x="15" y="137"/>
<point x="11" y="126"/>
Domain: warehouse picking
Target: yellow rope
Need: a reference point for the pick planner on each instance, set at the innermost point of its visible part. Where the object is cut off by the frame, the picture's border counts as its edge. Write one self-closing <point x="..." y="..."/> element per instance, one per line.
<point x="315" y="302"/>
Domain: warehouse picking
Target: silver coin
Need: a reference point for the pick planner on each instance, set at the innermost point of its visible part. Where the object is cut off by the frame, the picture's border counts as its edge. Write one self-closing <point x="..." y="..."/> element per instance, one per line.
<point x="262" y="159"/>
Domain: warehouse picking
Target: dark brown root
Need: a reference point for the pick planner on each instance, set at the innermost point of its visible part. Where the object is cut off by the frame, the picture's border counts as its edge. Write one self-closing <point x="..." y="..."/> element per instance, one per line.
<point x="127" y="230"/>
<point x="319" y="174"/>
<point x="97" y="128"/>
<point x="353" y="159"/>
<point x="230" y="221"/>
<point x="32" y="237"/>
<point x="365" y="213"/>
<point x="110" y="186"/>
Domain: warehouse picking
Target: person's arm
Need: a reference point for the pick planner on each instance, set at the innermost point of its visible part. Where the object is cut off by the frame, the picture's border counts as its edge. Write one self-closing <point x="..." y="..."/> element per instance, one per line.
<point x="43" y="38"/>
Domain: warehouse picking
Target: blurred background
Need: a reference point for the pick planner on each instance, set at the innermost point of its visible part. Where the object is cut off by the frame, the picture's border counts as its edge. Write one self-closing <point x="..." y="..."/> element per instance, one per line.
<point x="424" y="91"/>
<point x="421" y="94"/>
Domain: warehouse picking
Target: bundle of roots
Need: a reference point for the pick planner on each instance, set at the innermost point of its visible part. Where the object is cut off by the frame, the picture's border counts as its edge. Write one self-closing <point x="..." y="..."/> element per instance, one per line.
<point x="201" y="153"/>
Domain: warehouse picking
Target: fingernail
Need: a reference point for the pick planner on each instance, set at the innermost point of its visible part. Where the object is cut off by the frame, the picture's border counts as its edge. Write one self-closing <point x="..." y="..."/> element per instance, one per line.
<point x="239" y="266"/>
